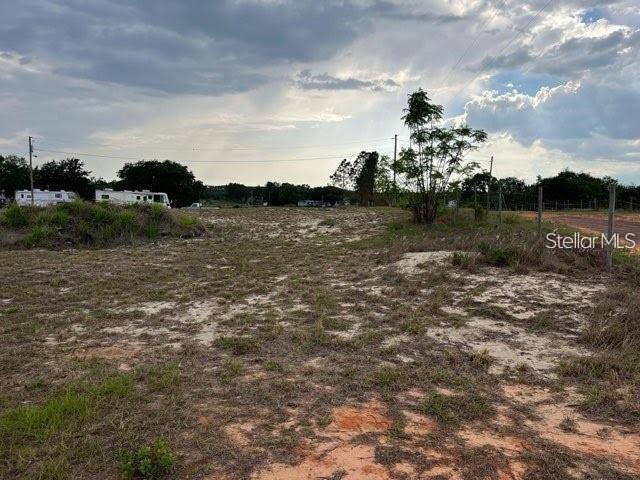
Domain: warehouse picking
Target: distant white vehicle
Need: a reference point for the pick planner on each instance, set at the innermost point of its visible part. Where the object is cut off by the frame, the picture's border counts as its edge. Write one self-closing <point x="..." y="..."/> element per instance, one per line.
<point x="42" y="198"/>
<point x="128" y="197"/>
<point x="195" y="205"/>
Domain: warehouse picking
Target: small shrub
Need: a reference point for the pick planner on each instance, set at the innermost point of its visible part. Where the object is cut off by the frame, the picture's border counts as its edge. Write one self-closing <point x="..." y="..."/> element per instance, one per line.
<point x="151" y="462"/>
<point x="231" y="368"/>
<point x="38" y="236"/>
<point x="481" y="358"/>
<point x="465" y="261"/>
<point x="16" y="216"/>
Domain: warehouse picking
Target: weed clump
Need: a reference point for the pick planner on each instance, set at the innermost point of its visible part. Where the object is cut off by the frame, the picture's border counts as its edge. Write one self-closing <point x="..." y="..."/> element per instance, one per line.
<point x="152" y="462"/>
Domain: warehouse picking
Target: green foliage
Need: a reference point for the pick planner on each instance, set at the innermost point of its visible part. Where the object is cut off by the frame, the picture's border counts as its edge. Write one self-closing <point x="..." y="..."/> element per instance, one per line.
<point x="438" y="155"/>
<point x="395" y="225"/>
<point x="95" y="224"/>
<point x="464" y="260"/>
<point x="16" y="217"/>
<point x="169" y="177"/>
<point x="502" y="255"/>
<point x="152" y="462"/>
<point x="14" y="174"/>
<point x="27" y="426"/>
<point x="41" y="421"/>
<point x="68" y="174"/>
<point x="435" y="405"/>
<point x="454" y="408"/>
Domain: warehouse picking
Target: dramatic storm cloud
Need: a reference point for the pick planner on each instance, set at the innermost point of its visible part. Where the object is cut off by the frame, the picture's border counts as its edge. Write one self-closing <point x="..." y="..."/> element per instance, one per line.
<point x="227" y="86"/>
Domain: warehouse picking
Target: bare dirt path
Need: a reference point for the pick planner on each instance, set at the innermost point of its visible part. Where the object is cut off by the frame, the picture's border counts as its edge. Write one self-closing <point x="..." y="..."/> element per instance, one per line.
<point x="624" y="223"/>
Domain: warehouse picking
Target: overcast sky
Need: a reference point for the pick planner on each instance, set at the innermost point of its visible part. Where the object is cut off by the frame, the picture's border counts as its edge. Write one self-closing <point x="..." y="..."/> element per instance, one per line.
<point x="226" y="85"/>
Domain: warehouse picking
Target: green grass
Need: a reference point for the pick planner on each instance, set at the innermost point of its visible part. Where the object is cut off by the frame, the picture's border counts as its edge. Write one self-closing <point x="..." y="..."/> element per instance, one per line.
<point x="239" y="345"/>
<point x="455" y="408"/>
<point x="43" y="439"/>
<point x="160" y="377"/>
<point x="231" y="368"/>
<point x="93" y="224"/>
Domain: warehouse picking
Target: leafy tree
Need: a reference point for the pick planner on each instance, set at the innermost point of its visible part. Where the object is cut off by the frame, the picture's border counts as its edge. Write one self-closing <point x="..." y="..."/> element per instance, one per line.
<point x="384" y="180"/>
<point x="237" y="192"/>
<point x="68" y="174"/>
<point x="364" y="172"/>
<point x="439" y="155"/>
<point x="341" y="178"/>
<point x="477" y="184"/>
<point x="169" y="177"/>
<point x="14" y="175"/>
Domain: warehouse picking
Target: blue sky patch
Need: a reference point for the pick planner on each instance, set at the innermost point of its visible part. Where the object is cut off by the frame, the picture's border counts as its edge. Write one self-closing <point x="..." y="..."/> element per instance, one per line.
<point x="592" y="15"/>
<point x="523" y="82"/>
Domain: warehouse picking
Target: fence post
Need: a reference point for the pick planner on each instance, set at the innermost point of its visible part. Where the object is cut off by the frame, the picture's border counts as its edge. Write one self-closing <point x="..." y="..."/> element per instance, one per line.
<point x="539" y="212"/>
<point x="612" y="209"/>
<point x="500" y="204"/>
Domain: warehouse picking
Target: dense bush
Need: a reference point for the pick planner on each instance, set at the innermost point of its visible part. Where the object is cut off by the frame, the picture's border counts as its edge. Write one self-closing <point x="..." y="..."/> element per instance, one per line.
<point x="92" y="224"/>
<point x="151" y="462"/>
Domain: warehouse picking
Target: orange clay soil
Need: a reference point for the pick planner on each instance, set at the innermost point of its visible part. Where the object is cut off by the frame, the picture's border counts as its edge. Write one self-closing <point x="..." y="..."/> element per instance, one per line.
<point x="338" y="453"/>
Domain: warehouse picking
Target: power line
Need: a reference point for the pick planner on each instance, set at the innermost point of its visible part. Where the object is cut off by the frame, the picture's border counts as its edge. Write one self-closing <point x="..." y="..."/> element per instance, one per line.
<point x="86" y="154"/>
<point x="80" y="154"/>
<point x="508" y="44"/>
<point x="473" y="41"/>
<point x="244" y="147"/>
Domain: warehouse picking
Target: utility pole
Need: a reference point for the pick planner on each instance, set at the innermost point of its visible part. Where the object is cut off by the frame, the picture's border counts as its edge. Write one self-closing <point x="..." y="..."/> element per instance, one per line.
<point x="489" y="184"/>
<point x="395" y="158"/>
<point x="610" y="239"/>
<point x="540" y="205"/>
<point x="31" y="168"/>
<point x="499" y="204"/>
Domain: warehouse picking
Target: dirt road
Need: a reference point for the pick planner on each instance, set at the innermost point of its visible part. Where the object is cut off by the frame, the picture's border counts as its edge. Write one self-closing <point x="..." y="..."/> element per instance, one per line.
<point x="596" y="222"/>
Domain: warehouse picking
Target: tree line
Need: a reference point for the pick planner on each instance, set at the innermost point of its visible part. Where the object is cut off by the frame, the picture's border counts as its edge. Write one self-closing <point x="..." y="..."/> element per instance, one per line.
<point x="277" y="194"/>
<point x="433" y="170"/>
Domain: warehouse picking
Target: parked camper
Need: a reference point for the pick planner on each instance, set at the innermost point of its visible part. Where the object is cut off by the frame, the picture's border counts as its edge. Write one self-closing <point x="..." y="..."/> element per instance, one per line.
<point x="128" y="197"/>
<point x="313" y="203"/>
<point x="42" y="198"/>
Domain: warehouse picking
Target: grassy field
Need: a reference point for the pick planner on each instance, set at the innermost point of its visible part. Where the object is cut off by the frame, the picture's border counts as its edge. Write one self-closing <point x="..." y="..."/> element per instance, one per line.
<point x="307" y="343"/>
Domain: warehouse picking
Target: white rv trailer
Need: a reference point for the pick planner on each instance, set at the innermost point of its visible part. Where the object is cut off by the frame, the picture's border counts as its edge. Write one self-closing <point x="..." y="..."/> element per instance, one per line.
<point x="128" y="197"/>
<point x="42" y="198"/>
